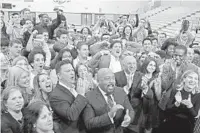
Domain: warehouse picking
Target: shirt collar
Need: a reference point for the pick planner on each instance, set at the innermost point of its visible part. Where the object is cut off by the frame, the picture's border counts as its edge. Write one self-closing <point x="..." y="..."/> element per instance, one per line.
<point x="113" y="57"/>
<point x="131" y="74"/>
<point x="102" y="92"/>
<point x="62" y="84"/>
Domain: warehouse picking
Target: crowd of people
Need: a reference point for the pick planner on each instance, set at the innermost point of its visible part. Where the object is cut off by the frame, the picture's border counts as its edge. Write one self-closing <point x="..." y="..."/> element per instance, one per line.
<point x="111" y="77"/>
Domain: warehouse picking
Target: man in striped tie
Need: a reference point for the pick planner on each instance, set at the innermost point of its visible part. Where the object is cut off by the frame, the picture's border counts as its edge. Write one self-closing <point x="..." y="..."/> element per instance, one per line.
<point x="109" y="109"/>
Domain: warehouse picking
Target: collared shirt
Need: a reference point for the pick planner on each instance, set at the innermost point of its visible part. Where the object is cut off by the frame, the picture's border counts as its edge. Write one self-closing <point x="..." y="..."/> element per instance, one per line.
<point x="15" y="32"/>
<point x="115" y="64"/>
<point x="129" y="78"/>
<point x="72" y="90"/>
<point x="106" y="99"/>
<point x="129" y="82"/>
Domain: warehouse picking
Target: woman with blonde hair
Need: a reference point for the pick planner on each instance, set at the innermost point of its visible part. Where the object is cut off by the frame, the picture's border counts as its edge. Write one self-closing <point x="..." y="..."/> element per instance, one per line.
<point x="21" y="61"/>
<point x="20" y="77"/>
<point x="183" y="105"/>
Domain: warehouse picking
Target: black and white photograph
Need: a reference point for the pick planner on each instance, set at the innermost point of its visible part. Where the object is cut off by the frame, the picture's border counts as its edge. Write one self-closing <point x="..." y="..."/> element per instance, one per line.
<point x="100" y="66"/>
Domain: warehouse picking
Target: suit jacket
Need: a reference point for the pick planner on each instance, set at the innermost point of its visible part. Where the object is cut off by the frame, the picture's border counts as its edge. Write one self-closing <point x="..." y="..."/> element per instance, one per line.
<point x="67" y="108"/>
<point x="9" y="124"/>
<point x="121" y="80"/>
<point x="136" y="102"/>
<point x="96" y="116"/>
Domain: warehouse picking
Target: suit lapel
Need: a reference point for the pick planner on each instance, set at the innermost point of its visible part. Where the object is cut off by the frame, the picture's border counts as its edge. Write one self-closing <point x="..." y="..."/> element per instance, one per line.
<point x="101" y="99"/>
<point x="123" y="78"/>
<point x="65" y="90"/>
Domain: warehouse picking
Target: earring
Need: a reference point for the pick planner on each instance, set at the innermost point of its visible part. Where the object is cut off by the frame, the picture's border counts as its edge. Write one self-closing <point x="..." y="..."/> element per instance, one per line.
<point x="34" y="126"/>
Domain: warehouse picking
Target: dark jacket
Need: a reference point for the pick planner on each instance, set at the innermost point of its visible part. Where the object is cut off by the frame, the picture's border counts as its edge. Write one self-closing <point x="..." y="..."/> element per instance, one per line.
<point x="96" y="112"/>
<point x="9" y="124"/>
<point x="67" y="108"/>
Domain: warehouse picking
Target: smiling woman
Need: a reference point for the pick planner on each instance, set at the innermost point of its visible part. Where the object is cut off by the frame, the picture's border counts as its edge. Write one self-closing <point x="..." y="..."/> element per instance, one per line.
<point x="183" y="105"/>
<point x="20" y="77"/>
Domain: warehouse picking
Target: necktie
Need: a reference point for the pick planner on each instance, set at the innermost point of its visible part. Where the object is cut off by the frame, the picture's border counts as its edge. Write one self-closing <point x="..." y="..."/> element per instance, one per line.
<point x="129" y="79"/>
<point x="110" y="101"/>
<point x="72" y="90"/>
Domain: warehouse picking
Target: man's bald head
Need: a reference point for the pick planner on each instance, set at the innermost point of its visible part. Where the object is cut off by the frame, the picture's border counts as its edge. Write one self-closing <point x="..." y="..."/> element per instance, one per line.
<point x="106" y="80"/>
<point x="129" y="64"/>
<point x="102" y="72"/>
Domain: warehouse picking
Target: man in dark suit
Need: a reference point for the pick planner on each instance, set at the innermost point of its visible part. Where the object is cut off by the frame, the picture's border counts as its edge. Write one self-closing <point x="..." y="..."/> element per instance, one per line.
<point x="109" y="109"/>
<point x="128" y="76"/>
<point x="66" y="103"/>
<point x="129" y="79"/>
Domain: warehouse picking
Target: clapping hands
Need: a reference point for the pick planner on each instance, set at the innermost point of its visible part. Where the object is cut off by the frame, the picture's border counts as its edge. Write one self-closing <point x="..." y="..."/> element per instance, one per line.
<point x="127" y="119"/>
<point x="178" y="97"/>
<point x="144" y="82"/>
<point x="187" y="102"/>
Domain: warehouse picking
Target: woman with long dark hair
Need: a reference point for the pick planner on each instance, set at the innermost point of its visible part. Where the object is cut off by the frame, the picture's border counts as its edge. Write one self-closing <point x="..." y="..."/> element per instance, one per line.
<point x="151" y="94"/>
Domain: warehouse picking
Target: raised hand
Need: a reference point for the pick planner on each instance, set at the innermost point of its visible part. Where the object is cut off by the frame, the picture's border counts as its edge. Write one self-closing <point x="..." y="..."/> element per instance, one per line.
<point x="80" y="87"/>
<point x="105" y="52"/>
<point x="10" y="21"/>
<point x="127" y="119"/>
<point x="188" y="102"/>
<point x="25" y="28"/>
<point x="178" y="97"/>
<point x="35" y="32"/>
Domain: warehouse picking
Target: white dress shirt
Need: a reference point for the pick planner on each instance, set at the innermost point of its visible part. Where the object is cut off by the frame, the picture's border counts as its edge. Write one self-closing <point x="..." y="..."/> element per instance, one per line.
<point x="129" y="78"/>
<point x="115" y="64"/>
<point x="72" y="90"/>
